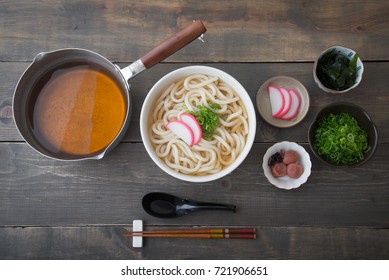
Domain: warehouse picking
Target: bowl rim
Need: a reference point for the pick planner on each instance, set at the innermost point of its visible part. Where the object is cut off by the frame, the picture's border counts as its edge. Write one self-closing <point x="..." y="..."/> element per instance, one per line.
<point x="365" y="114"/>
<point x="329" y="90"/>
<point x="173" y="76"/>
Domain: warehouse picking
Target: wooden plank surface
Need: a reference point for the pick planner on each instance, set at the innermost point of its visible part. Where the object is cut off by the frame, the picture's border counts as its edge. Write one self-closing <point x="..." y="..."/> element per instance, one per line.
<point x="239" y="31"/>
<point x="371" y="94"/>
<point x="272" y="243"/>
<point x="36" y="191"/>
<point x="61" y="210"/>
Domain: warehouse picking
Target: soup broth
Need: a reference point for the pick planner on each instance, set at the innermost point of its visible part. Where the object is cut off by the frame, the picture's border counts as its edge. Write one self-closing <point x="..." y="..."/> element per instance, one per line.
<point x="78" y="110"/>
<point x="213" y="153"/>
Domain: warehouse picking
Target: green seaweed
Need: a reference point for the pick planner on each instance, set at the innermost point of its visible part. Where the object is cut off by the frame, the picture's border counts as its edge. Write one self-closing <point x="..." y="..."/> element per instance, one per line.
<point x="336" y="71"/>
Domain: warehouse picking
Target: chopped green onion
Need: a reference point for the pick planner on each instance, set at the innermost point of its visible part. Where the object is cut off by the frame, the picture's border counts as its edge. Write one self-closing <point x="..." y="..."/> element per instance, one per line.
<point x="207" y="119"/>
<point x="340" y="139"/>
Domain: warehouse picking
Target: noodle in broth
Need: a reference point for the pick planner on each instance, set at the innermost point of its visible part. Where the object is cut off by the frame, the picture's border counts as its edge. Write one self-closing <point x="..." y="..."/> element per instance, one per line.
<point x="208" y="156"/>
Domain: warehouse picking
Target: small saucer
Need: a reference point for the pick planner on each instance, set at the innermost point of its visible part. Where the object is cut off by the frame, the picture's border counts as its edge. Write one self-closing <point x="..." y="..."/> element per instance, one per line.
<point x="263" y="101"/>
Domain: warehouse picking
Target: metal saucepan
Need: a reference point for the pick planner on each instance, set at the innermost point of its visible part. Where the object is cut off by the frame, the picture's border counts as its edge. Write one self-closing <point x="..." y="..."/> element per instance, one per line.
<point x="47" y="65"/>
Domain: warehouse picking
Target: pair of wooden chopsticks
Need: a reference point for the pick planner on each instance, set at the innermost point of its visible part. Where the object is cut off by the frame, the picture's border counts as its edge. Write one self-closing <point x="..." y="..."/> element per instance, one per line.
<point x="242" y="233"/>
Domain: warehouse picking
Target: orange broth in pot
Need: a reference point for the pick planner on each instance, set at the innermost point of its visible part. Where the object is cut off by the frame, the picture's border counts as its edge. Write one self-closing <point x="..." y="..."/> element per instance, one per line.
<point x="77" y="110"/>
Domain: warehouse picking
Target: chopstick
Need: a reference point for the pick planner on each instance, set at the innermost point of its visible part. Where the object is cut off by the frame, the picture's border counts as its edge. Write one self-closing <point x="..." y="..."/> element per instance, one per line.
<point x="196" y="235"/>
<point x="241" y="233"/>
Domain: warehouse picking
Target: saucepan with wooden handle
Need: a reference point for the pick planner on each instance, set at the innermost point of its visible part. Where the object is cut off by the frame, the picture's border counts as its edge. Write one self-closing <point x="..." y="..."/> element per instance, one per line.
<point x="74" y="104"/>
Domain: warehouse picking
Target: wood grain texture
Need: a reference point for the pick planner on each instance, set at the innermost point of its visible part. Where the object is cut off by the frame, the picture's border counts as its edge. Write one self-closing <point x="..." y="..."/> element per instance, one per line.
<point x="238" y="31"/>
<point x="272" y="243"/>
<point x="36" y="191"/>
<point x="60" y="210"/>
<point x="371" y="94"/>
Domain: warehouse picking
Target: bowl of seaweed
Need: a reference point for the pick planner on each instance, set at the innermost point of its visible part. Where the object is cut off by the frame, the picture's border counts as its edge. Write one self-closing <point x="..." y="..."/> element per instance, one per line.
<point x="343" y="134"/>
<point x="338" y="70"/>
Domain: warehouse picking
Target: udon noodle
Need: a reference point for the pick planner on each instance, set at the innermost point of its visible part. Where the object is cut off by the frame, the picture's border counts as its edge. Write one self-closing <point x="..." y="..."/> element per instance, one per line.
<point x="209" y="156"/>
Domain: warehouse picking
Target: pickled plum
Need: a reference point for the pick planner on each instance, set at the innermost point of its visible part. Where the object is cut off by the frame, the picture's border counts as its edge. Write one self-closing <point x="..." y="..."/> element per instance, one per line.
<point x="279" y="169"/>
<point x="285" y="163"/>
<point x="294" y="170"/>
<point x="290" y="156"/>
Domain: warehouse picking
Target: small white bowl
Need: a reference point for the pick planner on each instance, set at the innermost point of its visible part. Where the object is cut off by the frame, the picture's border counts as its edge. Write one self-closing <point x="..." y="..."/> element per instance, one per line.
<point x="165" y="81"/>
<point x="286" y="182"/>
<point x="350" y="54"/>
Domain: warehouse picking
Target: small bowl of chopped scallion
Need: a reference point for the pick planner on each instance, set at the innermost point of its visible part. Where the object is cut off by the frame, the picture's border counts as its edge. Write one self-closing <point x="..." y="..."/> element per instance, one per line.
<point x="338" y="70"/>
<point x="343" y="134"/>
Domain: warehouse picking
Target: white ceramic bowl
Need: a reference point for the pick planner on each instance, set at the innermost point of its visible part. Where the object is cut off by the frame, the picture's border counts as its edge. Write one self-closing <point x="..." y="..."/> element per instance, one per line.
<point x="157" y="89"/>
<point x="350" y="54"/>
<point x="286" y="182"/>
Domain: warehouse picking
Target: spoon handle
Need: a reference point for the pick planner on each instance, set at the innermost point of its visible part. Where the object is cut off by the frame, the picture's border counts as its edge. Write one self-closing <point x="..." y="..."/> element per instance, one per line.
<point x="210" y="206"/>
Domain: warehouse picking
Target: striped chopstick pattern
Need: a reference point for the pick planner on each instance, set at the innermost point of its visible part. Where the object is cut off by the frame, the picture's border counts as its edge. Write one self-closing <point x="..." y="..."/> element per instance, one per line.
<point x="241" y="233"/>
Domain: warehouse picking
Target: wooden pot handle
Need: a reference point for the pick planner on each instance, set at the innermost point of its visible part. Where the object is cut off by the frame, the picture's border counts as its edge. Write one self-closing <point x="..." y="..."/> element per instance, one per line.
<point x="173" y="44"/>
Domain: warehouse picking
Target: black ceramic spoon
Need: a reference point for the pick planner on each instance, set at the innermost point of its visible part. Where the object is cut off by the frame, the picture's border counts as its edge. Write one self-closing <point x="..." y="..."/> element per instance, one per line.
<point x="163" y="205"/>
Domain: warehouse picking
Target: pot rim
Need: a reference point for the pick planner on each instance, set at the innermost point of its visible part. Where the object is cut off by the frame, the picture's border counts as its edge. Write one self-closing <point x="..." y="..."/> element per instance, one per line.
<point x="115" y="71"/>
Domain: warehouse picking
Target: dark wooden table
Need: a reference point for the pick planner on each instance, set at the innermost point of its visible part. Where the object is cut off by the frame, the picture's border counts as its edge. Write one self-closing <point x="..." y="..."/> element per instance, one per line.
<point x="60" y="210"/>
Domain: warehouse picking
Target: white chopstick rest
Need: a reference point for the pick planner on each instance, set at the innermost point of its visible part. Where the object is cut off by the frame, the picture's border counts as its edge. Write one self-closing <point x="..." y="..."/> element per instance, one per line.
<point x="137" y="241"/>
